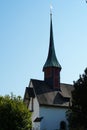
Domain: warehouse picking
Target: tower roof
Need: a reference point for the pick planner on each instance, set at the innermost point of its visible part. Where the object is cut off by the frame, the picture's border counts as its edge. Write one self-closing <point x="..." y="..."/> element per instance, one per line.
<point x="51" y="59"/>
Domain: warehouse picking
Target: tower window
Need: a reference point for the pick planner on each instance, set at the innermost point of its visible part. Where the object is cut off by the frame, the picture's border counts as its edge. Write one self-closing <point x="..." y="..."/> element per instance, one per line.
<point x="48" y="72"/>
<point x="62" y="125"/>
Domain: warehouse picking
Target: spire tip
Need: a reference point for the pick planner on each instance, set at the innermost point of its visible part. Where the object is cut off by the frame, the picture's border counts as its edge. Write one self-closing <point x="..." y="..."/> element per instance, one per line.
<point x="51" y="8"/>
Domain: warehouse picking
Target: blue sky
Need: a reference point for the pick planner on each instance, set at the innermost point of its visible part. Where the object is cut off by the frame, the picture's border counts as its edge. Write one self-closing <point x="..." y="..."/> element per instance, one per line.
<point x="24" y="41"/>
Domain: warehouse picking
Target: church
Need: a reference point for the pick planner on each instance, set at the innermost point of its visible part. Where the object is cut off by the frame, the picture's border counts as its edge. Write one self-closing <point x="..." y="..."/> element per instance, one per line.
<point x="49" y="99"/>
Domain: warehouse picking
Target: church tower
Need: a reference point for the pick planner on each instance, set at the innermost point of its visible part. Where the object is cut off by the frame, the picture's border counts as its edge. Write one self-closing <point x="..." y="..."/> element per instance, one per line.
<point x="52" y="67"/>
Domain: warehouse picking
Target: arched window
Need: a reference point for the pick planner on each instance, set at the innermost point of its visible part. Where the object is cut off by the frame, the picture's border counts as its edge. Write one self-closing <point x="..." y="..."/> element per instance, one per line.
<point x="62" y="125"/>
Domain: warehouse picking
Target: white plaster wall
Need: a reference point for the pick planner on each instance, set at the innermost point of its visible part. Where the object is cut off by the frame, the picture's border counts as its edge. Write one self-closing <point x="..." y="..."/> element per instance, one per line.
<point x="35" y="113"/>
<point x="52" y="118"/>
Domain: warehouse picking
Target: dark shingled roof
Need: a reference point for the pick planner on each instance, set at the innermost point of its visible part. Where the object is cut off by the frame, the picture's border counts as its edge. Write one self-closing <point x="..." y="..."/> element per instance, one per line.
<point x="48" y="96"/>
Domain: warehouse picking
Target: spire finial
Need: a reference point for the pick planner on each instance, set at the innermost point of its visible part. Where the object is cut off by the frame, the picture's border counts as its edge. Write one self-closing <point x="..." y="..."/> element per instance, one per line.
<point x="51" y="7"/>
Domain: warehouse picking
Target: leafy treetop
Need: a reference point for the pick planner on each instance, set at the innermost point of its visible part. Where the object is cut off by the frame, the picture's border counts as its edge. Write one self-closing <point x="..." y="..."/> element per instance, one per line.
<point x="14" y="114"/>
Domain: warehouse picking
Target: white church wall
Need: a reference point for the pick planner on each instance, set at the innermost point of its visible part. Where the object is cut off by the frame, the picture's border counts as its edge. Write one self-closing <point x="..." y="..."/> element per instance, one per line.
<point x="35" y="113"/>
<point x="52" y="117"/>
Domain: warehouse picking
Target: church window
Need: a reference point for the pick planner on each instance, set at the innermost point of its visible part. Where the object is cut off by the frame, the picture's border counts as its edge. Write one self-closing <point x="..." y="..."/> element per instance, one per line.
<point x="62" y="125"/>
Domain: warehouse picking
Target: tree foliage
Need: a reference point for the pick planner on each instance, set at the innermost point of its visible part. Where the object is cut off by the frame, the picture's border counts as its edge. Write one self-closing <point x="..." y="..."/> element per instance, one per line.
<point x="13" y="114"/>
<point x="77" y="114"/>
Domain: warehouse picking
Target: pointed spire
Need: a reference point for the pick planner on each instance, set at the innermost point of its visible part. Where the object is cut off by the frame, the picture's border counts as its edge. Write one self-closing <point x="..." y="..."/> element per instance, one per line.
<point x="51" y="59"/>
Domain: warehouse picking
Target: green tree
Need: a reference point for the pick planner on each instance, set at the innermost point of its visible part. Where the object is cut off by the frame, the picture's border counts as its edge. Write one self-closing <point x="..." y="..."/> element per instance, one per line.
<point x="77" y="114"/>
<point x="14" y="114"/>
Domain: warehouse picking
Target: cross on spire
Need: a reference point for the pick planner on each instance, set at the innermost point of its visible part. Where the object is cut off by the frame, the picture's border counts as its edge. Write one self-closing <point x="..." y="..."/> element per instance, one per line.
<point x="51" y="7"/>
